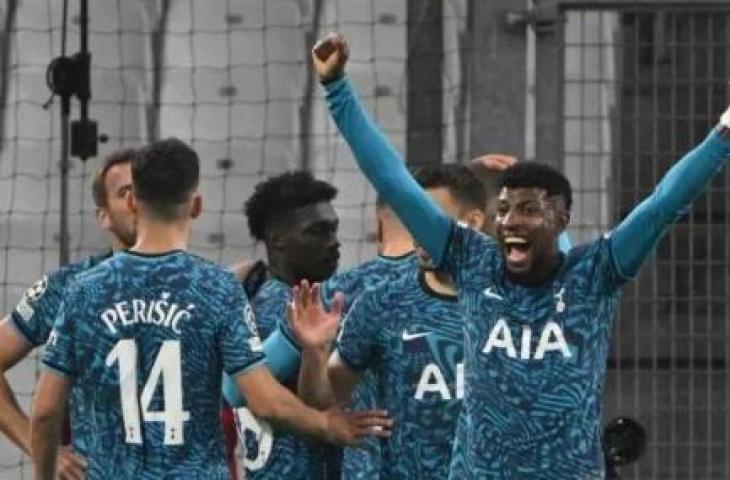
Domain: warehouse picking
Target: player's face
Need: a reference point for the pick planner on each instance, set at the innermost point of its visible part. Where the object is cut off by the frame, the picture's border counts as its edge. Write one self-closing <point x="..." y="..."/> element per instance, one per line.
<point x="312" y="248"/>
<point x="117" y="217"/>
<point x="527" y="225"/>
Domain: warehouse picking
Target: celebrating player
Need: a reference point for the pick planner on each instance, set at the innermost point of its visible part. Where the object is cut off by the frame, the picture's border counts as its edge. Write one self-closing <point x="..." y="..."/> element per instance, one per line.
<point x="158" y="315"/>
<point x="30" y="323"/>
<point x="538" y="324"/>
<point x="408" y="333"/>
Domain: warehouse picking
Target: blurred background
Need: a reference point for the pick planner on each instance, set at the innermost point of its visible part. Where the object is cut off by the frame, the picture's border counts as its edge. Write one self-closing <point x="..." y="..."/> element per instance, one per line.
<point x="612" y="92"/>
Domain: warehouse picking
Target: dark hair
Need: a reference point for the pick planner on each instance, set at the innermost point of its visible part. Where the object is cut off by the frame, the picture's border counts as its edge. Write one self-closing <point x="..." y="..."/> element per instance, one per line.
<point x="461" y="182"/>
<point x="98" y="184"/>
<point x="537" y="175"/>
<point x="277" y="196"/>
<point x="164" y="175"/>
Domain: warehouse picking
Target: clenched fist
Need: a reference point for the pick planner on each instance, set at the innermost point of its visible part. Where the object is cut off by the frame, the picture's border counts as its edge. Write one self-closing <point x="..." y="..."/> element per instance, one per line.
<point x="329" y="56"/>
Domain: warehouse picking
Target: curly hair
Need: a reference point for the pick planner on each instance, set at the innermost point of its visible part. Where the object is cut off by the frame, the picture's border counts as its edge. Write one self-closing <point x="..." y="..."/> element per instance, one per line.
<point x="279" y="195"/>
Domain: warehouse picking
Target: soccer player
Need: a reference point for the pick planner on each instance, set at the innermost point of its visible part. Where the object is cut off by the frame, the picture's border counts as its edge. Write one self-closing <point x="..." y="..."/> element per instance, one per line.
<point x="30" y="323"/>
<point x="143" y="337"/>
<point x="293" y="215"/>
<point x="395" y="256"/>
<point x="407" y="332"/>
<point x="395" y="248"/>
<point x="538" y="323"/>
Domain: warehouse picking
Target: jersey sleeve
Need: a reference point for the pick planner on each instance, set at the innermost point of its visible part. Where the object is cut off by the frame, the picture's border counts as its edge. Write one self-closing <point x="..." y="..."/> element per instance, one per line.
<point x="240" y="344"/>
<point x="381" y="163"/>
<point x="356" y="342"/>
<point x="36" y="311"/>
<point x="637" y="235"/>
<point x="60" y="353"/>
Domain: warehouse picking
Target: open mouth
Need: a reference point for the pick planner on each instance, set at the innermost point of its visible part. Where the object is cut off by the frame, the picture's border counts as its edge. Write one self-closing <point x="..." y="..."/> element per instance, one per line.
<point x="517" y="250"/>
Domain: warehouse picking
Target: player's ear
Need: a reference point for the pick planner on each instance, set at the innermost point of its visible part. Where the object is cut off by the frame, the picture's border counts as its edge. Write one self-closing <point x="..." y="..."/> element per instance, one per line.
<point x="102" y="218"/>
<point x="197" y="206"/>
<point x="276" y="240"/>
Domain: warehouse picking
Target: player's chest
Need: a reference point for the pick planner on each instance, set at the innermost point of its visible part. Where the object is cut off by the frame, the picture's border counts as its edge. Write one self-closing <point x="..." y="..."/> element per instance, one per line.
<point x="550" y="325"/>
<point x="424" y="353"/>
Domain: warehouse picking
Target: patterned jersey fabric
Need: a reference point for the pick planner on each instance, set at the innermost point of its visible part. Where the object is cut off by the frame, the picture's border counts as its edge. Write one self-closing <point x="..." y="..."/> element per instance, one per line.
<point x="536" y="360"/>
<point x="364" y="463"/>
<point x="144" y="339"/>
<point x="270" y="452"/>
<point x="410" y="339"/>
<point x="34" y="314"/>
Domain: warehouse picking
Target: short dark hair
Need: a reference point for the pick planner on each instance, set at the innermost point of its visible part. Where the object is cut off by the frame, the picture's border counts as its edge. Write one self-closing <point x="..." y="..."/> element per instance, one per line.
<point x="461" y="182"/>
<point x="98" y="184"/>
<point x="537" y="175"/>
<point x="279" y="195"/>
<point x="164" y="175"/>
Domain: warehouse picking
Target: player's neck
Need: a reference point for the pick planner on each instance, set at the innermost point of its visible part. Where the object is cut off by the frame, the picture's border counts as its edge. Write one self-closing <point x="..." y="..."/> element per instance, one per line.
<point x="118" y="245"/>
<point x="161" y="237"/>
<point x="396" y="248"/>
<point x="280" y="272"/>
<point x="439" y="282"/>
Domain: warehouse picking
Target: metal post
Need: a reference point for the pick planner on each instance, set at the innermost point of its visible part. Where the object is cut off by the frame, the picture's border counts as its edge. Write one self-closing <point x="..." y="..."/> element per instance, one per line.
<point x="425" y="90"/>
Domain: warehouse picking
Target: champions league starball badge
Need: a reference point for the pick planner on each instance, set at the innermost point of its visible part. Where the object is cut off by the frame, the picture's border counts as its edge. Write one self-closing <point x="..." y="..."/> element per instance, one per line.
<point x="37" y="290"/>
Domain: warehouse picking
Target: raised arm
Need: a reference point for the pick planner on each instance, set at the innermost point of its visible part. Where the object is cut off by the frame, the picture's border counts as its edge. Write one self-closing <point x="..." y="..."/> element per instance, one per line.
<point x="377" y="157"/>
<point x="633" y="240"/>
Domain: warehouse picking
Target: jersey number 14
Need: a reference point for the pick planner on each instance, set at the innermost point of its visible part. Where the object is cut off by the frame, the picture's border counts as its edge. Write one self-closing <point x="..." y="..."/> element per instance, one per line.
<point x="166" y="364"/>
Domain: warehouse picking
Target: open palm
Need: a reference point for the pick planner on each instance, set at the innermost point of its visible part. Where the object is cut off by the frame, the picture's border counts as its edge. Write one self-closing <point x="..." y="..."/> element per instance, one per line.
<point x="312" y="324"/>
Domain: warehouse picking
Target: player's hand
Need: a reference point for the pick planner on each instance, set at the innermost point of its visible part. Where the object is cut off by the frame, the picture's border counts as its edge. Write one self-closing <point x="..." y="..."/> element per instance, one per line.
<point x="329" y="56"/>
<point x="494" y="161"/>
<point x="70" y="465"/>
<point x="310" y="322"/>
<point x="349" y="428"/>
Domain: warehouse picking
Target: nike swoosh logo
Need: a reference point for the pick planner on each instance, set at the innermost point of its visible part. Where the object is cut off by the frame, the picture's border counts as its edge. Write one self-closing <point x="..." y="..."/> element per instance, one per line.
<point x="489" y="292"/>
<point x="412" y="336"/>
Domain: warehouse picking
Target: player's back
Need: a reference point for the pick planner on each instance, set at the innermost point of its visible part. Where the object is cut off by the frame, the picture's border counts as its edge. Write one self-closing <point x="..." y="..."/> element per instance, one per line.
<point x="147" y="343"/>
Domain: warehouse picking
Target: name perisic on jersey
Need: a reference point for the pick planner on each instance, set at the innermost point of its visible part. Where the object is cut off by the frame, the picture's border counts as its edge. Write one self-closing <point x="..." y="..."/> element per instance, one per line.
<point x="159" y="312"/>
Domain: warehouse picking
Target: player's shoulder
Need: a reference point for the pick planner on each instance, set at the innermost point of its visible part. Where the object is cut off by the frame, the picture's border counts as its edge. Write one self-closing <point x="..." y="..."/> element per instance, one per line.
<point x="72" y="271"/>
<point x="368" y="273"/>
<point x="472" y="238"/>
<point x="588" y="263"/>
<point x="399" y="289"/>
<point x="273" y="294"/>
<point x="588" y="254"/>
<point x="476" y="253"/>
<point x="273" y="287"/>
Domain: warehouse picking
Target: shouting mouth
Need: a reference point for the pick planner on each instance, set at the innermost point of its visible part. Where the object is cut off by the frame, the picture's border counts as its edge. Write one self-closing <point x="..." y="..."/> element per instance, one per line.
<point x="517" y="251"/>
